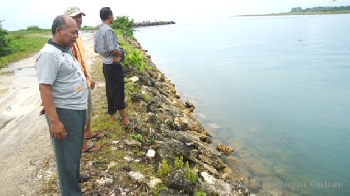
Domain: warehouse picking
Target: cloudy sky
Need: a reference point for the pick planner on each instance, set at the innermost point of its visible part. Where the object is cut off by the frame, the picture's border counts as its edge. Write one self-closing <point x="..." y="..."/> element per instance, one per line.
<point x="18" y="14"/>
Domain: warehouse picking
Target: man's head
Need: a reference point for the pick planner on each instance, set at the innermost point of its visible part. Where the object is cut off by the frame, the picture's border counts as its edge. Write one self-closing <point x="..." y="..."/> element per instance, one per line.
<point x="106" y="14"/>
<point x="76" y="14"/>
<point x="64" y="30"/>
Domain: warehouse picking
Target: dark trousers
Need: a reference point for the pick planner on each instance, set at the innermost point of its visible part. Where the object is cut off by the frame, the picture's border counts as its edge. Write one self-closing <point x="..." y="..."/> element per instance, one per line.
<point x="114" y="77"/>
<point x="68" y="151"/>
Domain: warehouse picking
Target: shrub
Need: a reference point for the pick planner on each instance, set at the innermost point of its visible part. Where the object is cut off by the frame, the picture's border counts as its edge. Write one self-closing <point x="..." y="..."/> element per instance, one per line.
<point x="4" y="43"/>
<point x="124" y="25"/>
<point x="136" y="59"/>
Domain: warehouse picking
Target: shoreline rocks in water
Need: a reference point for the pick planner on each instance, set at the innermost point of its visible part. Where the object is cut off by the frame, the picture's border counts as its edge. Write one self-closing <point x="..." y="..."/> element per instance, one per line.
<point x="148" y="23"/>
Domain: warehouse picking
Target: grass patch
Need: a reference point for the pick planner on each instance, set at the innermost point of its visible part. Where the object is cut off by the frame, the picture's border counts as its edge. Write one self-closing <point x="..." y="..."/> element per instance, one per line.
<point x="23" y="44"/>
<point x="51" y="185"/>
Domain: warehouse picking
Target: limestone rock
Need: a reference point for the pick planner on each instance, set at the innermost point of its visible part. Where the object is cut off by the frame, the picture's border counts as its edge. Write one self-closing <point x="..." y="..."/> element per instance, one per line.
<point x="154" y="182"/>
<point x="225" y="149"/>
<point x="136" y="177"/>
<point x="178" y="181"/>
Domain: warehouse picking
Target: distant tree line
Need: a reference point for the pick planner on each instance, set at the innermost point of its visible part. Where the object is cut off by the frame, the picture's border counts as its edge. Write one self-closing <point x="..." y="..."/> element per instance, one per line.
<point x="321" y="9"/>
<point x="15" y="42"/>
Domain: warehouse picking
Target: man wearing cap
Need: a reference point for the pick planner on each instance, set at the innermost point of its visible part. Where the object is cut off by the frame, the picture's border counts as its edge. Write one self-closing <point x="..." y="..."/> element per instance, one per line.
<point x="79" y="53"/>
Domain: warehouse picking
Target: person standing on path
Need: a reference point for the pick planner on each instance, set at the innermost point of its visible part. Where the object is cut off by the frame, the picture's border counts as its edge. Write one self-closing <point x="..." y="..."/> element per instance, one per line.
<point x="79" y="54"/>
<point x="63" y="91"/>
<point x="106" y="44"/>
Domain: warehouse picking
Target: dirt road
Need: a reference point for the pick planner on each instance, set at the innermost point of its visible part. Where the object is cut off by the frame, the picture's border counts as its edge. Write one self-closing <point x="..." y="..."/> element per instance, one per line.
<point x="25" y="145"/>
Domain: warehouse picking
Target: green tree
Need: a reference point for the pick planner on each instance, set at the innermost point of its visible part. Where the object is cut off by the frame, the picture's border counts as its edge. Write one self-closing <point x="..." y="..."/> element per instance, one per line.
<point x="33" y="28"/>
<point x="124" y="25"/>
<point x="4" y="42"/>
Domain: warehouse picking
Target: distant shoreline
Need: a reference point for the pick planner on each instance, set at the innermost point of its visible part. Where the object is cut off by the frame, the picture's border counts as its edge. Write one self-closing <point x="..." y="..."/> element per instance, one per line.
<point x="297" y="13"/>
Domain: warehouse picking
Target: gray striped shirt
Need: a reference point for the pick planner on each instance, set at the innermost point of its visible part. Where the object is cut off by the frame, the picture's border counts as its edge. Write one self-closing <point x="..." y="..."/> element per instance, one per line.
<point x="105" y="41"/>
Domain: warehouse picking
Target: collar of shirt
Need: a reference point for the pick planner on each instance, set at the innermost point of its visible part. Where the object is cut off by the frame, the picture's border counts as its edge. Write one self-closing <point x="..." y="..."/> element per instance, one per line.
<point x="63" y="49"/>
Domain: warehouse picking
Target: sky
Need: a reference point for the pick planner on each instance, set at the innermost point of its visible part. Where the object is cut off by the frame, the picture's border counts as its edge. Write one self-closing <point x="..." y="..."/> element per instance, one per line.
<point x="19" y="14"/>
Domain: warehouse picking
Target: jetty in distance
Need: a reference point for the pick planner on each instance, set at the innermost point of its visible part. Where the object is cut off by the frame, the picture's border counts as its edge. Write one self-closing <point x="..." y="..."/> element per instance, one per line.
<point x="148" y="23"/>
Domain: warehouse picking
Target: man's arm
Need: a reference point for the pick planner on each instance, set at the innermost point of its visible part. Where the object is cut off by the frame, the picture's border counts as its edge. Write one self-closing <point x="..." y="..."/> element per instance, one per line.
<point x="57" y="128"/>
<point x="93" y="84"/>
<point x="117" y="53"/>
<point x="113" y="46"/>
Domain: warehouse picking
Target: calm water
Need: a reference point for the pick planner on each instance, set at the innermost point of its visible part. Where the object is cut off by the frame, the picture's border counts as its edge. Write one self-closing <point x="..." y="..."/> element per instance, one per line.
<point x="276" y="89"/>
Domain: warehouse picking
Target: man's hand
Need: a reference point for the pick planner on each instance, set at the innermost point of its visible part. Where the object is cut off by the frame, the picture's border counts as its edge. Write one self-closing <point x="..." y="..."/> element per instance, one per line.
<point x="58" y="131"/>
<point x="42" y="111"/>
<point x="117" y="59"/>
<point x="92" y="85"/>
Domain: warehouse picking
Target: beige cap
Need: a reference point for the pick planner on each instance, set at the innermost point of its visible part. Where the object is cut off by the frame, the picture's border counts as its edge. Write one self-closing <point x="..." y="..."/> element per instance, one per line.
<point x="73" y="11"/>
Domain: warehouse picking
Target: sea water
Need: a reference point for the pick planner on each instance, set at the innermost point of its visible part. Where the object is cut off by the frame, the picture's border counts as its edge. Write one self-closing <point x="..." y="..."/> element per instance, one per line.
<point x="276" y="89"/>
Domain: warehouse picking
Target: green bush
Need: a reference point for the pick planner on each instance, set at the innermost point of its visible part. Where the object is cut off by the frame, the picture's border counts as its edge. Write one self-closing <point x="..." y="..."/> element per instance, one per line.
<point x="124" y="26"/>
<point x="4" y="43"/>
<point x="136" y="59"/>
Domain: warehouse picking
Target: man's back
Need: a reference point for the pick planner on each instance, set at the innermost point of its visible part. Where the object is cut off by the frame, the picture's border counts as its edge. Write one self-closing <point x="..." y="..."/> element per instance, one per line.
<point x="105" y="40"/>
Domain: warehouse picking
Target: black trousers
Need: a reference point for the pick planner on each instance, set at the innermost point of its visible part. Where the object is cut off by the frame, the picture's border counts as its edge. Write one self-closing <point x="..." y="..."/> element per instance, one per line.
<point x="114" y="77"/>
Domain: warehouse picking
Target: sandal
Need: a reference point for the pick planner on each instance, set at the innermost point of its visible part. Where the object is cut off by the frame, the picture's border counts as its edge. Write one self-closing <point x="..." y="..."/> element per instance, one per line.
<point x="130" y="126"/>
<point x="96" y="135"/>
<point x="92" y="148"/>
<point x="84" y="178"/>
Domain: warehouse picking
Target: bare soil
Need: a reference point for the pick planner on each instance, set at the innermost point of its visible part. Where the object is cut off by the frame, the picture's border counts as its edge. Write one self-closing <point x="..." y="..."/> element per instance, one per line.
<point x="24" y="136"/>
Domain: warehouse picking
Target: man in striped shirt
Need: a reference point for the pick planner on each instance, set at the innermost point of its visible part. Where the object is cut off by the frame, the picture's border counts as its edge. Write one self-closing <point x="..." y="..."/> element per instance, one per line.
<point x="106" y="44"/>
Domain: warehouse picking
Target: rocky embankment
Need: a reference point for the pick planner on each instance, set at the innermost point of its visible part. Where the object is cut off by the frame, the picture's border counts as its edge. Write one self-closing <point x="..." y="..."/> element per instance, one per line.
<point x="174" y="138"/>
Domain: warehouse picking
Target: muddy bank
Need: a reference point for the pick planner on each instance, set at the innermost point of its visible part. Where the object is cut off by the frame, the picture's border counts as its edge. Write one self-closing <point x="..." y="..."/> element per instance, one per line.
<point x="24" y="141"/>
